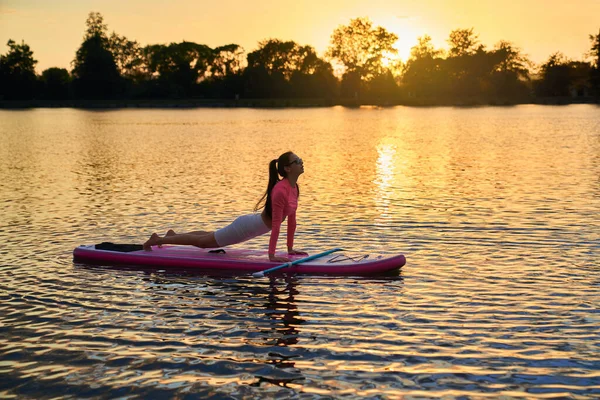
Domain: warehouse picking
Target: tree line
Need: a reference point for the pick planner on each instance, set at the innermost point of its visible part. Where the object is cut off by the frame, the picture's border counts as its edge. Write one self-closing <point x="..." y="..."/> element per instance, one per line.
<point x="359" y="64"/>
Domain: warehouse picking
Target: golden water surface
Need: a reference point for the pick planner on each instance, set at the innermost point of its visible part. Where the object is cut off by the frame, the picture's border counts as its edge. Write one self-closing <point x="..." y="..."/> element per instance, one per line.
<point x="496" y="210"/>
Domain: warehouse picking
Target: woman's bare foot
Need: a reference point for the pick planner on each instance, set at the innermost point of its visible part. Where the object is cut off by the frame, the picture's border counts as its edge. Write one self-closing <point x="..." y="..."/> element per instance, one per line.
<point x="151" y="242"/>
<point x="170" y="232"/>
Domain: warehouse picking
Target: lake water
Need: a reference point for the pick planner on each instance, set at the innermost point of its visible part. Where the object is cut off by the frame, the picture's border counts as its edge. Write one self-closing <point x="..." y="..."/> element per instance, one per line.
<point x="496" y="210"/>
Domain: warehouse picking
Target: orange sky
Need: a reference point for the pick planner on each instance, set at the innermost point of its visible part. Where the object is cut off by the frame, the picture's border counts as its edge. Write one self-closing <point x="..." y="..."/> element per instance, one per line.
<point x="54" y="28"/>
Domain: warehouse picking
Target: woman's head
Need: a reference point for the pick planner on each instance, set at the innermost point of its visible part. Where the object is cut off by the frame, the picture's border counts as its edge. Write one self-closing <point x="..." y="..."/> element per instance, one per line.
<point x="282" y="162"/>
<point x="287" y="165"/>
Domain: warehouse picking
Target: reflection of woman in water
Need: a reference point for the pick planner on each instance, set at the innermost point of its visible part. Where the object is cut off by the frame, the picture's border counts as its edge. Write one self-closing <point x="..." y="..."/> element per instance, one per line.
<point x="280" y="201"/>
<point x="286" y="320"/>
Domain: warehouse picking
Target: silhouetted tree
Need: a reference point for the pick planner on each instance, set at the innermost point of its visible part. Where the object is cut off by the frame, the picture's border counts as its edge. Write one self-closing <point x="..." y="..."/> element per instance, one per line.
<point x="425" y="49"/>
<point x="478" y="74"/>
<point x="17" y="72"/>
<point x="55" y="84"/>
<point x="95" y="26"/>
<point x="554" y="76"/>
<point x="128" y="56"/>
<point x="178" y="67"/>
<point x="579" y="77"/>
<point x="352" y="85"/>
<point x="510" y="59"/>
<point x="383" y="88"/>
<point x="468" y="64"/>
<point x="313" y="76"/>
<point x="423" y="74"/>
<point x="223" y="78"/>
<point x="463" y="42"/>
<point x="276" y="56"/>
<point x="226" y="61"/>
<point x="361" y="48"/>
<point x="282" y="69"/>
<point x="258" y="82"/>
<point x="510" y="77"/>
<point x="320" y="83"/>
<point x="269" y="69"/>
<point x="595" y="70"/>
<point x="108" y="66"/>
<point x="94" y="68"/>
<point x="469" y="73"/>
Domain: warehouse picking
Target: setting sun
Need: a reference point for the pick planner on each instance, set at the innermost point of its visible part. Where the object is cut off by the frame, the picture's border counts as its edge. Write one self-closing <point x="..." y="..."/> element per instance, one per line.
<point x="407" y="30"/>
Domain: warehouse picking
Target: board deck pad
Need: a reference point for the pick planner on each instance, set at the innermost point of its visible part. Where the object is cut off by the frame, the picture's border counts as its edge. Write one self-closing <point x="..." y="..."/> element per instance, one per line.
<point x="238" y="260"/>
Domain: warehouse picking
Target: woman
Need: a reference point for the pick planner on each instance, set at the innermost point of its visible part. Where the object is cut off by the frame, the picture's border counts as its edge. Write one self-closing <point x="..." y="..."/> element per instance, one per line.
<point x="279" y="201"/>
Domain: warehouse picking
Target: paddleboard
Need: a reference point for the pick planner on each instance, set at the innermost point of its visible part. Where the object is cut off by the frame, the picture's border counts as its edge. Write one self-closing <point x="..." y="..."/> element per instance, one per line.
<point x="235" y="260"/>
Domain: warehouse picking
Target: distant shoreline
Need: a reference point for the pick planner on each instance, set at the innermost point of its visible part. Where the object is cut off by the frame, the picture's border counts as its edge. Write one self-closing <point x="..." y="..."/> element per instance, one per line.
<point x="279" y="103"/>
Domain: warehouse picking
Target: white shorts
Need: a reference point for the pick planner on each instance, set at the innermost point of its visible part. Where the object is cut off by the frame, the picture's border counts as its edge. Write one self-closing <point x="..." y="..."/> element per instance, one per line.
<point x="243" y="228"/>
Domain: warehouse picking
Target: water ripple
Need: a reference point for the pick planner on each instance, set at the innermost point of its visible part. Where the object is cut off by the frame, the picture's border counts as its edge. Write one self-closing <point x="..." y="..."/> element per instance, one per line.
<point x="500" y="296"/>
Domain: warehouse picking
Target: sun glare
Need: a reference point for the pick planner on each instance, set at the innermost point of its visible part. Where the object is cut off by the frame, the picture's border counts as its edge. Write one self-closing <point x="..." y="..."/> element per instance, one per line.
<point x="407" y="31"/>
<point x="389" y="59"/>
<point x="404" y="44"/>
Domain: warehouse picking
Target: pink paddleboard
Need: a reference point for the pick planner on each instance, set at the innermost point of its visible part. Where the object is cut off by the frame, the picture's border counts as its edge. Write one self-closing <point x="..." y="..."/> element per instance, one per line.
<point x="241" y="261"/>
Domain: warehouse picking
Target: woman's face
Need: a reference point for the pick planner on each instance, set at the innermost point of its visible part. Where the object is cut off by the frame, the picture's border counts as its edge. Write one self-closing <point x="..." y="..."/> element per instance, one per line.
<point x="296" y="165"/>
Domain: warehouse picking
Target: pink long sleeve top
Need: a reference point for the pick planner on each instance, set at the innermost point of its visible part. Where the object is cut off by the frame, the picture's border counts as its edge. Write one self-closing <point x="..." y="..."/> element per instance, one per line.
<point x="284" y="203"/>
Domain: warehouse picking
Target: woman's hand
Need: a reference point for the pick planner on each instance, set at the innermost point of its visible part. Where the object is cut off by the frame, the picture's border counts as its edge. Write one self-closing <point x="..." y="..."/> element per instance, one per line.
<point x="278" y="259"/>
<point x="293" y="252"/>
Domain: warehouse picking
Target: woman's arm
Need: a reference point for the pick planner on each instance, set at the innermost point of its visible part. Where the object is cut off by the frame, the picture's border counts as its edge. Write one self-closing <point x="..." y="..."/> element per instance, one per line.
<point x="290" y="236"/>
<point x="291" y="230"/>
<point x="278" y="201"/>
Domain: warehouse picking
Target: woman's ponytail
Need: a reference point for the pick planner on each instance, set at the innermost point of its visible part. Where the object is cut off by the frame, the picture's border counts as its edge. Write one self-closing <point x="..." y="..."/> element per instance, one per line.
<point x="276" y="168"/>
<point x="266" y="198"/>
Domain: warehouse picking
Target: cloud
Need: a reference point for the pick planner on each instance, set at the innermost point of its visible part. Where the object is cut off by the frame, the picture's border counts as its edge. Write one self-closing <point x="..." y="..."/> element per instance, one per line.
<point x="7" y="10"/>
<point x="407" y="17"/>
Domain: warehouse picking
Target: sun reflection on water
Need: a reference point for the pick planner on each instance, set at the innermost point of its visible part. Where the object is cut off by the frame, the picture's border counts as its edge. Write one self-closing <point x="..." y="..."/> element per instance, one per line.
<point x="386" y="174"/>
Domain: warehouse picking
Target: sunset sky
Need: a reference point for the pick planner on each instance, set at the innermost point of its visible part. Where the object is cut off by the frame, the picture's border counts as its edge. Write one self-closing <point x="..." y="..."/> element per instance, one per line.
<point x="54" y="28"/>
